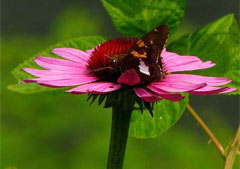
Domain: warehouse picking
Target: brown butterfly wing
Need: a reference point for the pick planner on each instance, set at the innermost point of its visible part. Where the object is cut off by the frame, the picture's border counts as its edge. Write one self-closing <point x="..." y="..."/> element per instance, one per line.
<point x="151" y="44"/>
<point x="148" y="50"/>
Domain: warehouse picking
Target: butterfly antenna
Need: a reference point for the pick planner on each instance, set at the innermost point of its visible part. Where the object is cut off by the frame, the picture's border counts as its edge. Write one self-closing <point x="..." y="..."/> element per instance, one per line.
<point x="113" y="60"/>
<point x="103" y="68"/>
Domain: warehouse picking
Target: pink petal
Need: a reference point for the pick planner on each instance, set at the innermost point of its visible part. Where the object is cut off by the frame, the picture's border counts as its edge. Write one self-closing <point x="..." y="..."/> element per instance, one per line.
<point x="208" y="90"/>
<point x="171" y="57"/>
<point x="146" y="95"/>
<point x="57" y="66"/>
<point x="62" y="82"/>
<point x="62" y="62"/>
<point x="178" y="60"/>
<point x="43" y="73"/>
<point x="171" y="86"/>
<point x="229" y="90"/>
<point x="65" y="77"/>
<point x="90" y="51"/>
<point x="72" y="54"/>
<point x="196" y="79"/>
<point x="174" y="62"/>
<point x="190" y="66"/>
<point x="129" y="77"/>
<point x="95" y="88"/>
<point x="166" y="95"/>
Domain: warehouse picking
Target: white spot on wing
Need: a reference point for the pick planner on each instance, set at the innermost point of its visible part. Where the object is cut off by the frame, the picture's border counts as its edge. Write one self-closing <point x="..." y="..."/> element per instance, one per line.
<point x="143" y="68"/>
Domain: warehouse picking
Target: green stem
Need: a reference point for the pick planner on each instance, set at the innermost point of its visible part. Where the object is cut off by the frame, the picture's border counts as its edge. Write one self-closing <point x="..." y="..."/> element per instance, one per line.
<point x="119" y="135"/>
<point x="207" y="130"/>
<point x="232" y="151"/>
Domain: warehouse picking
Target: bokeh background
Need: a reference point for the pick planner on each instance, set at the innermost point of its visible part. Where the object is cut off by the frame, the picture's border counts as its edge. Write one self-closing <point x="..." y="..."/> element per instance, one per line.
<point x="61" y="131"/>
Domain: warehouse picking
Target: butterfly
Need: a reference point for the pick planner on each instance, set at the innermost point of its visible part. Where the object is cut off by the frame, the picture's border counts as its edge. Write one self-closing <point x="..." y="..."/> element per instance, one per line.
<point x="145" y="55"/>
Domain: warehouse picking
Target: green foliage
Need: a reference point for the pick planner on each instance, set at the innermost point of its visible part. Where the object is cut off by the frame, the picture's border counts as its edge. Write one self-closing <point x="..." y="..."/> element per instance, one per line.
<point x="218" y="42"/>
<point x="11" y="167"/>
<point x="82" y="43"/>
<point x="135" y="18"/>
<point x="166" y="113"/>
<point x="75" y="21"/>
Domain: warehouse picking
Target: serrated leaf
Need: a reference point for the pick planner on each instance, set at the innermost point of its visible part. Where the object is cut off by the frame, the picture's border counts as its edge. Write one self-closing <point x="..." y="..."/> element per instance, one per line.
<point x="135" y="18"/>
<point x="165" y="115"/>
<point x="82" y="43"/>
<point x="218" y="42"/>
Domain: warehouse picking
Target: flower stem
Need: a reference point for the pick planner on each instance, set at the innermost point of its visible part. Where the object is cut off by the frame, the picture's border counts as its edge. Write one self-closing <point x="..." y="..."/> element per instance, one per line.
<point x="232" y="151"/>
<point x="207" y="130"/>
<point x="119" y="135"/>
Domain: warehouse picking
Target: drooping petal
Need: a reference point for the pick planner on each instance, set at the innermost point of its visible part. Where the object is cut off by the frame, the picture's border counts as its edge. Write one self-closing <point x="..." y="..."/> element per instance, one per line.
<point x="147" y="96"/>
<point x="183" y="60"/>
<point x="56" y="66"/>
<point x="229" y="90"/>
<point x="166" y="95"/>
<point x="208" y="90"/>
<point x="129" y="77"/>
<point x="174" y="62"/>
<point x="190" y="66"/>
<point x="172" y="58"/>
<point x="95" y="88"/>
<point x="178" y="60"/>
<point x="196" y="79"/>
<point x="61" y="62"/>
<point x="65" y="77"/>
<point x="72" y="54"/>
<point x="61" y="81"/>
<point x="171" y="86"/>
<point x="43" y="73"/>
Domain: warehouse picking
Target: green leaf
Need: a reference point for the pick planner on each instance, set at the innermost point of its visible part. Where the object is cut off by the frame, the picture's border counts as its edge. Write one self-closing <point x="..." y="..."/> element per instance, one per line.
<point x="135" y="18"/>
<point x="11" y="167"/>
<point x="166" y="114"/>
<point x="218" y="42"/>
<point x="82" y="43"/>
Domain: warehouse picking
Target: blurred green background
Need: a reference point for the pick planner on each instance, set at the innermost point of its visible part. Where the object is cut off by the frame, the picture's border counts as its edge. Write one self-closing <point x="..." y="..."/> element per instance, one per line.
<point x="62" y="131"/>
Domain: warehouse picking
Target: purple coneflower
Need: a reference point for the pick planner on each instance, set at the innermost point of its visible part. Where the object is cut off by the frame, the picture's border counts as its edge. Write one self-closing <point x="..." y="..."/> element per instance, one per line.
<point x="97" y="72"/>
